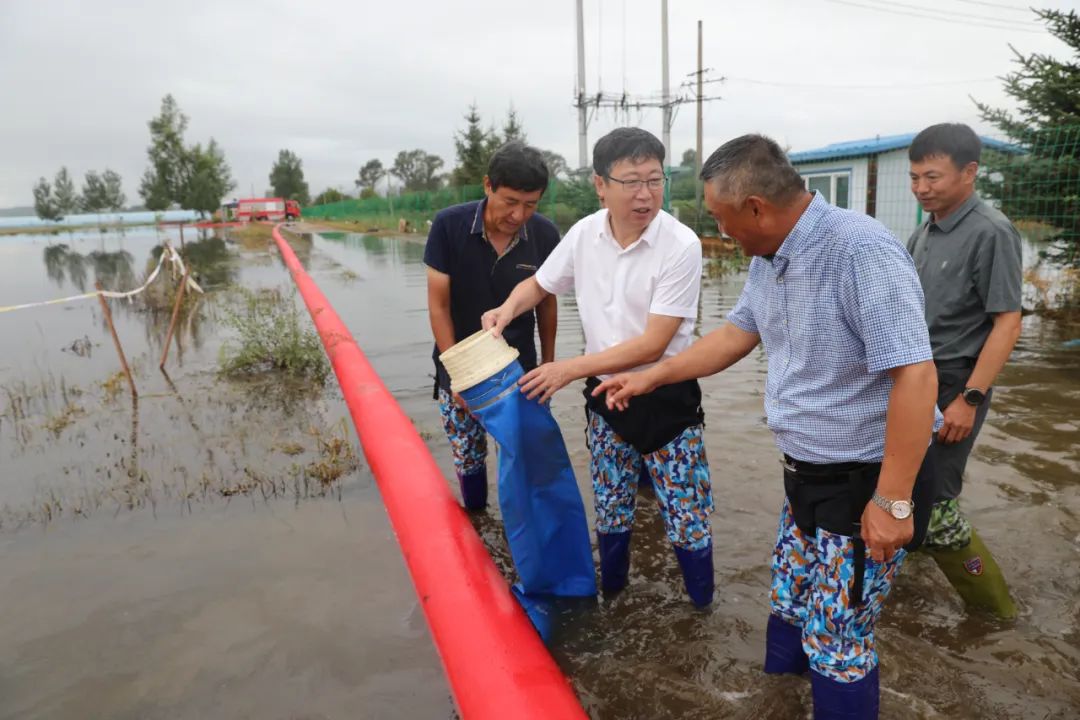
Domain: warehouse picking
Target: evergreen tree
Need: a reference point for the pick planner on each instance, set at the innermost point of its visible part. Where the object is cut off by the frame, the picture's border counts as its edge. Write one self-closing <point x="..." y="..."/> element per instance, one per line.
<point x="113" y="196"/>
<point x="1043" y="184"/>
<point x="492" y="143"/>
<point x="95" y="197"/>
<point x="579" y="193"/>
<point x="474" y="147"/>
<point x="287" y="178"/>
<point x="67" y="199"/>
<point x="45" y="201"/>
<point x="513" y="130"/>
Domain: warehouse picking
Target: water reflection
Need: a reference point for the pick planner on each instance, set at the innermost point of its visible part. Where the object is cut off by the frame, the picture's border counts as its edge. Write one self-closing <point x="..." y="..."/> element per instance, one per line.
<point x="62" y="264"/>
<point x="122" y="264"/>
<point x="407" y="250"/>
<point x="113" y="269"/>
<point x="212" y="264"/>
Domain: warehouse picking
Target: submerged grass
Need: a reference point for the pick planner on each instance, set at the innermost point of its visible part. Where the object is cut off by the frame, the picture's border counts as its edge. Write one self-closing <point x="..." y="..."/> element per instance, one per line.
<point x="271" y="339"/>
<point x="253" y="236"/>
<point x="125" y="484"/>
<point x="290" y="448"/>
<point x="114" y="385"/>
<point x="57" y="423"/>
<point x="337" y="458"/>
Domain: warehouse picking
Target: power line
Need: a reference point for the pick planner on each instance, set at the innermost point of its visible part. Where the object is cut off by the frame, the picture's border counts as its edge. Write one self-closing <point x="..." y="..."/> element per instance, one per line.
<point x="935" y="17"/>
<point x="878" y="86"/>
<point x="653" y="99"/>
<point x="922" y="15"/>
<point x="1003" y="6"/>
<point x="964" y="15"/>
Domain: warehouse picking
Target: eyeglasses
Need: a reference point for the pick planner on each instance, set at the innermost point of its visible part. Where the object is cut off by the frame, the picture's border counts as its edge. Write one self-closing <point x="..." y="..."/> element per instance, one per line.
<point x="633" y="186"/>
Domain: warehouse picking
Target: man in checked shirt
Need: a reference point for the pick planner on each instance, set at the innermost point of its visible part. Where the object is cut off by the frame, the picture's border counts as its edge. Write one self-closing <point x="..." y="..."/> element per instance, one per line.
<point x="849" y="395"/>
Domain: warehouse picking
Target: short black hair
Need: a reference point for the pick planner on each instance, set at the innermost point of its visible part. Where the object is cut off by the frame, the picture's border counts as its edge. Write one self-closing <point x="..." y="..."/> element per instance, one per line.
<point x="752" y="165"/>
<point x="956" y="141"/>
<point x="625" y="143"/>
<point x="519" y="167"/>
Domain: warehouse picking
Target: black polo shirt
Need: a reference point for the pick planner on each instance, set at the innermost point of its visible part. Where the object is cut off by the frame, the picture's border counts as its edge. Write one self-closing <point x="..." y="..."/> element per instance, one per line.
<point x="481" y="280"/>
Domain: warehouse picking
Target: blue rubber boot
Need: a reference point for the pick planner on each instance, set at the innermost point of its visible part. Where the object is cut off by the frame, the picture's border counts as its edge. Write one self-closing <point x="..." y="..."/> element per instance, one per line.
<point x="697" y="571"/>
<point x="614" y="560"/>
<point x="783" y="648"/>
<point x="834" y="700"/>
<point x="474" y="489"/>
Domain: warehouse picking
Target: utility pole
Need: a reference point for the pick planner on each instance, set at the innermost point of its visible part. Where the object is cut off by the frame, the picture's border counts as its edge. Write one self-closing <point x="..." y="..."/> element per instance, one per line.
<point x="623" y="103"/>
<point x="700" y="100"/>
<point x="666" y="96"/>
<point x="583" y="119"/>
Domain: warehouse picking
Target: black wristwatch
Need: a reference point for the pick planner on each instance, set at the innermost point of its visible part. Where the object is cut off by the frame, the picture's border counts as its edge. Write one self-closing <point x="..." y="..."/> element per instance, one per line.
<point x="974" y="396"/>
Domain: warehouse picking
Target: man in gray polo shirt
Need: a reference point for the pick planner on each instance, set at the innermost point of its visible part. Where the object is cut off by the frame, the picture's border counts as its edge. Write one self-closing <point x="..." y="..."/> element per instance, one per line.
<point x="968" y="258"/>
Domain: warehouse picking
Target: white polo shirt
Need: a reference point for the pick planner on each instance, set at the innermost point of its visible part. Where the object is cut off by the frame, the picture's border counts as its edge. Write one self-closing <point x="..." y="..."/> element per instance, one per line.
<point x="617" y="289"/>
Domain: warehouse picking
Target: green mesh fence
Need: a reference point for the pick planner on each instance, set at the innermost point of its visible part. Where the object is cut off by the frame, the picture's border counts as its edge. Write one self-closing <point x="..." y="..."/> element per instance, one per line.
<point x="1035" y="181"/>
<point x="565" y="202"/>
<point x="1034" y="178"/>
<point x="415" y="207"/>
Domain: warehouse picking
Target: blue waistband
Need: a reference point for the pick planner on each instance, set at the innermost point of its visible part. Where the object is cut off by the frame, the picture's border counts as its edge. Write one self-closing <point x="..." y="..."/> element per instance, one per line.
<point x="493" y="388"/>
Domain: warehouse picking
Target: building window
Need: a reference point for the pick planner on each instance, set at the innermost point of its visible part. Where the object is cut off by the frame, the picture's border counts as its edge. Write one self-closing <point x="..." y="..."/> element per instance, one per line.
<point x="835" y="187"/>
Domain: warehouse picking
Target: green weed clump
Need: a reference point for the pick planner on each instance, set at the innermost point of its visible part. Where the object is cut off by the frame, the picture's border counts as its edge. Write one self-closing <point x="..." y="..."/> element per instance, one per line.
<point x="272" y="339"/>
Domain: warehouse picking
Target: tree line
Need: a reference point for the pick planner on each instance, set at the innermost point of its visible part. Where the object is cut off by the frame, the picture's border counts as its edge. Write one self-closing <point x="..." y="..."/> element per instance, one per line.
<point x="179" y="174"/>
<point x="100" y="192"/>
<point x="418" y="170"/>
<point x="198" y="177"/>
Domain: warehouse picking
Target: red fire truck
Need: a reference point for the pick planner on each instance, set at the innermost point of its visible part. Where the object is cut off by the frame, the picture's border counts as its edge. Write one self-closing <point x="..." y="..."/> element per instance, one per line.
<point x="267" y="209"/>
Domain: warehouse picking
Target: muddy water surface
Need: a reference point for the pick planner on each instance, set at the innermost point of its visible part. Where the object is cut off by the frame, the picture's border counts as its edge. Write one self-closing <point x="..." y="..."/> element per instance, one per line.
<point x="174" y="559"/>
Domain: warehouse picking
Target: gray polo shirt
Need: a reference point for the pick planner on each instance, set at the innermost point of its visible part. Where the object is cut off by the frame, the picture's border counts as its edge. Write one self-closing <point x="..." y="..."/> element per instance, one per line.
<point x="970" y="268"/>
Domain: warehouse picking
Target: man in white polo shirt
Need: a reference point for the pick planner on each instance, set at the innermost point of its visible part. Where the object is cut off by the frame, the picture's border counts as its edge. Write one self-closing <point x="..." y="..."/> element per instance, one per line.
<point x="636" y="275"/>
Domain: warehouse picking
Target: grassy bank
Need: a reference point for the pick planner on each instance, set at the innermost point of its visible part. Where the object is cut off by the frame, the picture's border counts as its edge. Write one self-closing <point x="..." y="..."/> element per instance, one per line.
<point x="251" y="236"/>
<point x="371" y="225"/>
<point x="66" y="229"/>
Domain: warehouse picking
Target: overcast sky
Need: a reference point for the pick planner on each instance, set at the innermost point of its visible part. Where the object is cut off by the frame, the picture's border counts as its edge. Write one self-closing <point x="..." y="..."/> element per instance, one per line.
<point x="345" y="81"/>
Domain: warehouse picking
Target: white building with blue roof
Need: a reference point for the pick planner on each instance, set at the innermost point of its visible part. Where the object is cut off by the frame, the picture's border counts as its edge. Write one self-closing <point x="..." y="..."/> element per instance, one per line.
<point x="869" y="176"/>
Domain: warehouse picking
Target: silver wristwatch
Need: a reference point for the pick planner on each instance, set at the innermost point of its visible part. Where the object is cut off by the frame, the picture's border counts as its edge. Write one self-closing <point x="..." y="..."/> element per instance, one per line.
<point x="899" y="509"/>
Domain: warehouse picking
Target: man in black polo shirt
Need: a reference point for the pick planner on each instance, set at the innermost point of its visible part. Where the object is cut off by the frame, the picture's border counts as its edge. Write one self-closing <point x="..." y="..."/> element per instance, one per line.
<point x="476" y="254"/>
<point x="969" y="260"/>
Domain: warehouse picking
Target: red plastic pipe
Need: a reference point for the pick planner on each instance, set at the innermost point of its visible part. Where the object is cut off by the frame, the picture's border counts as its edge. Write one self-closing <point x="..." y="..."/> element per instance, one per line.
<point x="494" y="659"/>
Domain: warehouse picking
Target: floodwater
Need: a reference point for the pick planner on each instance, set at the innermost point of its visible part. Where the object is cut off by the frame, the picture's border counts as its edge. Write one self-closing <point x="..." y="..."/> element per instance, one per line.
<point x="108" y="218"/>
<point x="174" y="558"/>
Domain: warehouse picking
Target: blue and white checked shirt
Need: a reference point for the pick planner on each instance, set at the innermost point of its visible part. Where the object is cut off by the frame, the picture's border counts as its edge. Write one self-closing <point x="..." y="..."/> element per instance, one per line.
<point x="838" y="306"/>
